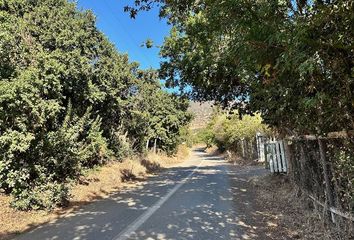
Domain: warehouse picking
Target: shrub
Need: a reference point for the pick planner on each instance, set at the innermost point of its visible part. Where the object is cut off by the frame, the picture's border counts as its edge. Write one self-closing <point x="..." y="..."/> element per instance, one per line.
<point x="95" y="150"/>
<point x="226" y="131"/>
<point x="68" y="101"/>
<point x="207" y="136"/>
<point x="42" y="196"/>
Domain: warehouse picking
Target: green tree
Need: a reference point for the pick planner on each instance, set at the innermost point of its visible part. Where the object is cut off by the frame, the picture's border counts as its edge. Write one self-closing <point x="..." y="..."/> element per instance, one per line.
<point x="157" y="114"/>
<point x="69" y="100"/>
<point x="292" y="61"/>
<point x="226" y="131"/>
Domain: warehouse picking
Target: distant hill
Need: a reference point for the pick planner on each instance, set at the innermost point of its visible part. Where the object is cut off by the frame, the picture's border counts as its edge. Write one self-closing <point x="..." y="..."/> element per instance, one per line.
<point x="202" y="114"/>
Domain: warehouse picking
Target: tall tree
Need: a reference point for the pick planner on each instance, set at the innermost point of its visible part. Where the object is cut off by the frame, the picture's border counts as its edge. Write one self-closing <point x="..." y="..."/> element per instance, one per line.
<point x="292" y="61"/>
<point x="156" y="114"/>
<point x="66" y="98"/>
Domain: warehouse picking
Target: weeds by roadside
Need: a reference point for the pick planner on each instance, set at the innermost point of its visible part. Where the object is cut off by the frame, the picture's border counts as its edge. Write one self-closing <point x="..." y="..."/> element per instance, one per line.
<point x="295" y="216"/>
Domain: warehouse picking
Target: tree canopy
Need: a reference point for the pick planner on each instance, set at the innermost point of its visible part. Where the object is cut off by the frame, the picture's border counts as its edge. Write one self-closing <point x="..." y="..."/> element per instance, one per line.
<point x="156" y="114"/>
<point x="291" y="61"/>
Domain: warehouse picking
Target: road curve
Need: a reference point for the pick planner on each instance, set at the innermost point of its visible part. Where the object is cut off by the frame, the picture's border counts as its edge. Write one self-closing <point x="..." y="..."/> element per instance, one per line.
<point x="203" y="198"/>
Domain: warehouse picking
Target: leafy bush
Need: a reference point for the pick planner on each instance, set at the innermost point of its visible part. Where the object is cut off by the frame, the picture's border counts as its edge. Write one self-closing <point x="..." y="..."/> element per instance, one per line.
<point x="205" y="135"/>
<point x="186" y="136"/>
<point x="95" y="151"/>
<point x="341" y="154"/>
<point x="225" y="131"/>
<point x="70" y="101"/>
<point x="42" y="196"/>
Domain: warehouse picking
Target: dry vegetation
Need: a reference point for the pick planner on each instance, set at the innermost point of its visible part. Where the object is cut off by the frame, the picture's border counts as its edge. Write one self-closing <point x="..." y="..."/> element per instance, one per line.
<point x="236" y="159"/>
<point x="279" y="198"/>
<point x="213" y="151"/>
<point x="95" y="184"/>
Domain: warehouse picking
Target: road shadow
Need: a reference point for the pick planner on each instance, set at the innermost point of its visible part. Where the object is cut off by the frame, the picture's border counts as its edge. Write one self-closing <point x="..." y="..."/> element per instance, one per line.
<point x="217" y="202"/>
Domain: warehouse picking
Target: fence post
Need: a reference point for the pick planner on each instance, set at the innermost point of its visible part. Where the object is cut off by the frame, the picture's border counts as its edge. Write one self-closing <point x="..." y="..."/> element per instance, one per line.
<point x="147" y="144"/>
<point x="155" y="145"/>
<point x="330" y="201"/>
<point x="243" y="148"/>
<point x="274" y="153"/>
<point x="260" y="147"/>
<point x="266" y="159"/>
<point x="278" y="156"/>
<point x="283" y="156"/>
<point x="288" y="156"/>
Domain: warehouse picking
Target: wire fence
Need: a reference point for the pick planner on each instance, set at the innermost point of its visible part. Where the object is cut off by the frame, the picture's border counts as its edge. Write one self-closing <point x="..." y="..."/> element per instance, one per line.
<point x="323" y="168"/>
<point x="247" y="149"/>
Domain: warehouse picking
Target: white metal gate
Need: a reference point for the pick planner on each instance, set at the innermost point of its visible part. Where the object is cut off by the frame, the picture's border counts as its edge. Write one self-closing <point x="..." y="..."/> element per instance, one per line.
<point x="275" y="156"/>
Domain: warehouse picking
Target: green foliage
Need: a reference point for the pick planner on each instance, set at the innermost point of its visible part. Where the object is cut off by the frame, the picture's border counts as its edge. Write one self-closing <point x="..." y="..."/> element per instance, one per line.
<point x="206" y="136"/>
<point x="70" y="101"/>
<point x="95" y="151"/>
<point x="343" y="172"/>
<point x="148" y="43"/>
<point x="42" y="196"/>
<point x="291" y="61"/>
<point x="226" y="131"/>
<point x="157" y="114"/>
<point x="186" y="136"/>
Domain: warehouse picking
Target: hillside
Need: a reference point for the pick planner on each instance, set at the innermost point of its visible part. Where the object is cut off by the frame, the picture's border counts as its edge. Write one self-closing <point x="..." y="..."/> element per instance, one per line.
<point x="202" y="114"/>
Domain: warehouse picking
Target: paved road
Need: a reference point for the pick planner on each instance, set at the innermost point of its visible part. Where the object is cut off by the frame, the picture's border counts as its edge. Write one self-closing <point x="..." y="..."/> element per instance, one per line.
<point x="203" y="198"/>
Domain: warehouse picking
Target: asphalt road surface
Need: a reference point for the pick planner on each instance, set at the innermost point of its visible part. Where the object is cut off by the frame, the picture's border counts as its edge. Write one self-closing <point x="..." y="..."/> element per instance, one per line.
<point x="203" y="198"/>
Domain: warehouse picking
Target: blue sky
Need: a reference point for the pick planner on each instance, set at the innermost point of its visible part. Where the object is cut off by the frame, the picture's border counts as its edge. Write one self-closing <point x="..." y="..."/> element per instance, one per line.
<point x="128" y="34"/>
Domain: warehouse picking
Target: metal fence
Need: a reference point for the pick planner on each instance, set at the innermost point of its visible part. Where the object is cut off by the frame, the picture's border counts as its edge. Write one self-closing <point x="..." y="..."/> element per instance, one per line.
<point x="324" y="170"/>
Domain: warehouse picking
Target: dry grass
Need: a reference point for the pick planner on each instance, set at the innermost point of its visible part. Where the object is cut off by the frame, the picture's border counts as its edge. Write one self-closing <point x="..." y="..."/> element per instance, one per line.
<point x="213" y="151"/>
<point x="153" y="161"/>
<point x="132" y="169"/>
<point x="97" y="183"/>
<point x="12" y="221"/>
<point x="295" y="215"/>
<point x="232" y="157"/>
<point x="236" y="159"/>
